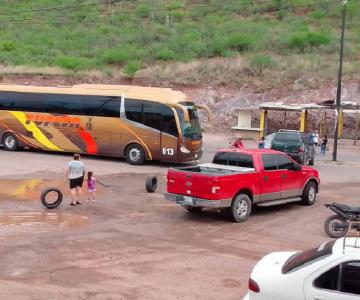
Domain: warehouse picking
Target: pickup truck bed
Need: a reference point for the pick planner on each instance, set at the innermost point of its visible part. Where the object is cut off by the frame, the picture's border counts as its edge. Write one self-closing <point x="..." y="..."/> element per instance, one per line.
<point x="215" y="169"/>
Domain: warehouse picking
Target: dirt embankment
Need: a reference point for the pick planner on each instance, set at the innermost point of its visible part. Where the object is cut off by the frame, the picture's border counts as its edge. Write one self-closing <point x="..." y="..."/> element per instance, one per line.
<point x="223" y="100"/>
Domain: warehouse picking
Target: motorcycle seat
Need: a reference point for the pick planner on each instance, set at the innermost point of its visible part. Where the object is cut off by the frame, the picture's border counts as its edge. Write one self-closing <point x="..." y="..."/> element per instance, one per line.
<point x="347" y="208"/>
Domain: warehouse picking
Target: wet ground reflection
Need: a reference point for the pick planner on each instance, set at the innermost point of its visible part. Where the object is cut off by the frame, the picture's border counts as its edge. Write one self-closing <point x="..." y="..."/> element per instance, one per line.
<point x="30" y="189"/>
<point x="38" y="222"/>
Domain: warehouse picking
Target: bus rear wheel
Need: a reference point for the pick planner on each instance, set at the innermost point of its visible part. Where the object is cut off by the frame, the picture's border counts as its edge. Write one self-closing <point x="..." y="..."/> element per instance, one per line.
<point x="10" y="142"/>
<point x="135" y="154"/>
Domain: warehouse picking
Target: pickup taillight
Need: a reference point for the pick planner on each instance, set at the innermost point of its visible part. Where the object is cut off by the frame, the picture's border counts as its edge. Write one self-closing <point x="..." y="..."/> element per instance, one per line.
<point x="253" y="286"/>
<point x="301" y="149"/>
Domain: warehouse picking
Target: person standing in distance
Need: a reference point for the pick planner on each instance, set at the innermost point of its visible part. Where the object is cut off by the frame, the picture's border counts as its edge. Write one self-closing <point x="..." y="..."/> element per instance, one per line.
<point x="75" y="173"/>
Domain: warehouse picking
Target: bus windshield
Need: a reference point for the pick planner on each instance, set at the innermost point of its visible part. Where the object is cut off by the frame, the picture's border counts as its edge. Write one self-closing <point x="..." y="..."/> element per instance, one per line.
<point x="192" y="129"/>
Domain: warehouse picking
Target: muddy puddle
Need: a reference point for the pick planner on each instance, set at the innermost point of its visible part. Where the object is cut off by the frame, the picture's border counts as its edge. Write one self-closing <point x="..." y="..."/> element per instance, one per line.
<point x="12" y="224"/>
<point x="30" y="189"/>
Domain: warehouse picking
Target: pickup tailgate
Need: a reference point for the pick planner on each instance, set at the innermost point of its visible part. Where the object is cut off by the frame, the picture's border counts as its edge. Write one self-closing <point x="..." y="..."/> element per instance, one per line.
<point x="188" y="183"/>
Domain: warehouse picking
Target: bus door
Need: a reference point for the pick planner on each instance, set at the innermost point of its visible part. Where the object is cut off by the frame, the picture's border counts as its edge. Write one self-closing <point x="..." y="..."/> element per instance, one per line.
<point x="169" y="135"/>
<point x="169" y="147"/>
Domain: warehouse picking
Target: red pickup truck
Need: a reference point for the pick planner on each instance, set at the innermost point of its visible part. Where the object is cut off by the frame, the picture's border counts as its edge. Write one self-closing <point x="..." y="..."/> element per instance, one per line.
<point x="237" y="179"/>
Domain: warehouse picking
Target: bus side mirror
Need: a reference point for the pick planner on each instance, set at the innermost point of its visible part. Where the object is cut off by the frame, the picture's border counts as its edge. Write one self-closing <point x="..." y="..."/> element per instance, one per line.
<point x="204" y="107"/>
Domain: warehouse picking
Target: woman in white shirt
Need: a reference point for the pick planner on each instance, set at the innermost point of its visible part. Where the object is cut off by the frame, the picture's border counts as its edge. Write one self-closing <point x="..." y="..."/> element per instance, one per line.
<point x="75" y="173"/>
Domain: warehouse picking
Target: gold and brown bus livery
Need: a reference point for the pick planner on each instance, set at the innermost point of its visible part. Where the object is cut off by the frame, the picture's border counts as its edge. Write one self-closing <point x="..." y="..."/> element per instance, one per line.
<point x="138" y="123"/>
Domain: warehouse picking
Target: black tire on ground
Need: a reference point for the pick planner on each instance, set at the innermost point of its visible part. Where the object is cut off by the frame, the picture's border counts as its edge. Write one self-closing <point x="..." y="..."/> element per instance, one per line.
<point x="192" y="209"/>
<point x="311" y="162"/>
<point x="240" y="208"/>
<point x="53" y="204"/>
<point x="151" y="184"/>
<point x="135" y="154"/>
<point x="309" y="194"/>
<point x="330" y="229"/>
<point x="10" y="142"/>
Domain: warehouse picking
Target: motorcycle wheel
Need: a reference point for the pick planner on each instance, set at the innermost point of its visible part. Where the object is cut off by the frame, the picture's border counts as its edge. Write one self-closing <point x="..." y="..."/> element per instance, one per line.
<point x="336" y="226"/>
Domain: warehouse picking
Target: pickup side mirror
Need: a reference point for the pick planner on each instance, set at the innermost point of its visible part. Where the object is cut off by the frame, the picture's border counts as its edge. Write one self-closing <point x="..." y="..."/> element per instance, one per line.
<point x="296" y="167"/>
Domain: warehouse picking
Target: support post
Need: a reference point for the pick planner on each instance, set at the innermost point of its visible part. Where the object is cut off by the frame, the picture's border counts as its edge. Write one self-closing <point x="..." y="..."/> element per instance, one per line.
<point x="356" y="127"/>
<point x="338" y="92"/>
<point x="340" y="124"/>
<point x="303" y="120"/>
<point x="263" y="123"/>
<point x="322" y="123"/>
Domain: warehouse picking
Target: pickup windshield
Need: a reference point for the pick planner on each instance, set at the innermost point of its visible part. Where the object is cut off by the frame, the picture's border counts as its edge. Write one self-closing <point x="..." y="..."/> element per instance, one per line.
<point x="192" y="129"/>
<point x="286" y="137"/>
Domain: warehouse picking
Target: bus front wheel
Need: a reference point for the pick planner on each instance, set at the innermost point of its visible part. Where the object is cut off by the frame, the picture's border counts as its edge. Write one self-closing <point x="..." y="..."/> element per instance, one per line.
<point x="135" y="154"/>
<point x="10" y="142"/>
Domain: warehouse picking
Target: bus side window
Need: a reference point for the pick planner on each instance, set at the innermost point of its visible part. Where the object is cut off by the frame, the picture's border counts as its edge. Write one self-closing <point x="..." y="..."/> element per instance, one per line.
<point x="133" y="110"/>
<point x="152" y="115"/>
<point x="169" y="123"/>
<point x="111" y="108"/>
<point x="21" y="102"/>
<point x="63" y="104"/>
<point x="6" y="101"/>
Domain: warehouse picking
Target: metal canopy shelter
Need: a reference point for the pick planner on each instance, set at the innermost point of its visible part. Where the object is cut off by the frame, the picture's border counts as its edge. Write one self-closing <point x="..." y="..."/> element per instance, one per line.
<point x="346" y="107"/>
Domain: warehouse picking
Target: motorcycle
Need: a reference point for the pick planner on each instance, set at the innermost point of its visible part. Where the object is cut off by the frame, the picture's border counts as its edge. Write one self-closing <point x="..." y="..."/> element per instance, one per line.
<point x="337" y="226"/>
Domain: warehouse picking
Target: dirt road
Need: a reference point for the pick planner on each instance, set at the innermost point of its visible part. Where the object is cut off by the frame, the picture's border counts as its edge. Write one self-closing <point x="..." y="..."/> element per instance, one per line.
<point x="134" y="245"/>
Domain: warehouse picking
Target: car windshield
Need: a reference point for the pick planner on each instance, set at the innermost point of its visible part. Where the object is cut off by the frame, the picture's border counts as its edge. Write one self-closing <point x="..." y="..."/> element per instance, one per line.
<point x="286" y="137"/>
<point x="192" y="129"/>
<point x="308" y="256"/>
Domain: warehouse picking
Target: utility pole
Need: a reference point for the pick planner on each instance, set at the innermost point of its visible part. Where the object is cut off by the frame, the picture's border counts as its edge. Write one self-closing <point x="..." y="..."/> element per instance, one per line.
<point x="338" y="92"/>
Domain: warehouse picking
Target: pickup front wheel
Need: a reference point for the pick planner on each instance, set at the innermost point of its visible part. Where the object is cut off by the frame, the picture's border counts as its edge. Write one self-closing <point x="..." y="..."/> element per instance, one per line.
<point x="309" y="194"/>
<point x="240" y="208"/>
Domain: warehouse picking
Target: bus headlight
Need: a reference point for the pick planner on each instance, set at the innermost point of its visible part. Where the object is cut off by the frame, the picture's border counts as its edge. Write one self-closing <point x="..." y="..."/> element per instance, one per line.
<point x="184" y="150"/>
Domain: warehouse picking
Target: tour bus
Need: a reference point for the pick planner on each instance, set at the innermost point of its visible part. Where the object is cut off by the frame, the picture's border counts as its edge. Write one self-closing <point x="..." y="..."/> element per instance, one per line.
<point x="138" y="123"/>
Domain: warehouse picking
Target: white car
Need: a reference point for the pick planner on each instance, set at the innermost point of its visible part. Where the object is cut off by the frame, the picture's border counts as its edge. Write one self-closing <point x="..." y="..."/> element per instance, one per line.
<point x="328" y="272"/>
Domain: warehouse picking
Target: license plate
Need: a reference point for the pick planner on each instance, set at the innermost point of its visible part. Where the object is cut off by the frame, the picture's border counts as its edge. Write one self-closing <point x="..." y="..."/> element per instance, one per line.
<point x="188" y="200"/>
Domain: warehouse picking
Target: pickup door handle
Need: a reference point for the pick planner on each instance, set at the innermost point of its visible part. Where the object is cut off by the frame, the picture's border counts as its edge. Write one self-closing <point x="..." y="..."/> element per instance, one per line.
<point x="284" y="176"/>
<point x="266" y="178"/>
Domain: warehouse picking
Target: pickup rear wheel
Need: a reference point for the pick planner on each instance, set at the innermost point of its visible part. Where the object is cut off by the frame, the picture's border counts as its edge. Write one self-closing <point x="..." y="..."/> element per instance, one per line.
<point x="240" y="208"/>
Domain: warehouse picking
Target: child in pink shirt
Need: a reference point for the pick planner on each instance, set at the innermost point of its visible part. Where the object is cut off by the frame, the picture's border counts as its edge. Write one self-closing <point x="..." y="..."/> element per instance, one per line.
<point x="91" y="185"/>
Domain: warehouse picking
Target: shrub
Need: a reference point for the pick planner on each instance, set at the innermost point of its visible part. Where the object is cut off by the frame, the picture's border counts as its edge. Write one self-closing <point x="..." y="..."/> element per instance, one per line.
<point x="72" y="63"/>
<point x="240" y="42"/>
<point x="131" y="68"/>
<point x="116" y="56"/>
<point x="318" y="14"/>
<point x="143" y="10"/>
<point x="316" y="39"/>
<point x="8" y="46"/>
<point x="260" y="62"/>
<point x="303" y="40"/>
<point x="165" y="54"/>
<point x="218" y="48"/>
